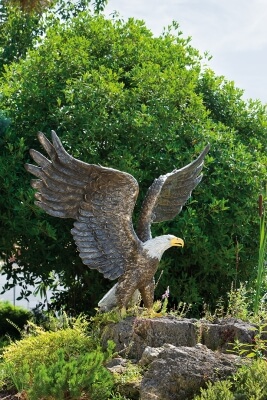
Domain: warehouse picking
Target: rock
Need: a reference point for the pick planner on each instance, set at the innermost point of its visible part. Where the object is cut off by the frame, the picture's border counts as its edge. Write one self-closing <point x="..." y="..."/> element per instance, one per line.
<point x="149" y="354"/>
<point x="133" y="335"/>
<point x="178" y="355"/>
<point x="222" y="335"/>
<point x="116" y="365"/>
<point x="179" y="373"/>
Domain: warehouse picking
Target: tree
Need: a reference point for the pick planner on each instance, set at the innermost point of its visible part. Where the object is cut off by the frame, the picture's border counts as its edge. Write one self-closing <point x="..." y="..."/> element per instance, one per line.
<point x="18" y="30"/>
<point x="24" y="22"/>
<point x="144" y="105"/>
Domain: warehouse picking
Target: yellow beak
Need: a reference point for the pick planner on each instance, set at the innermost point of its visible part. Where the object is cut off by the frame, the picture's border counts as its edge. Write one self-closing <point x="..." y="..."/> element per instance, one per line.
<point x="177" y="242"/>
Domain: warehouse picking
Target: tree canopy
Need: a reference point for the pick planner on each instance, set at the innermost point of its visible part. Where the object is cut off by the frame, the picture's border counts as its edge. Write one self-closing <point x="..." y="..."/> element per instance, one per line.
<point x="118" y="96"/>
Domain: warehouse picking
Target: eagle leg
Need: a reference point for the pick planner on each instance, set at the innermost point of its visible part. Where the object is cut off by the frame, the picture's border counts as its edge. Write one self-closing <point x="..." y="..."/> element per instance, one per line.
<point x="147" y="294"/>
<point x="124" y="293"/>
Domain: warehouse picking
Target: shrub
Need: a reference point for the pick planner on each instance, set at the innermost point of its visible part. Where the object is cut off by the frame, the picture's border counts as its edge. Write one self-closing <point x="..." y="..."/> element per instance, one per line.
<point x="13" y="319"/>
<point x="67" y="362"/>
<point x="249" y="382"/>
<point x="72" y="377"/>
<point x="220" y="390"/>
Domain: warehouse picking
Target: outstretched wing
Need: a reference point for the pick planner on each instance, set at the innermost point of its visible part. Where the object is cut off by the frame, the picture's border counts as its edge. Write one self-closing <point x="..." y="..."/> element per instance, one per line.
<point x="101" y="200"/>
<point x="167" y="195"/>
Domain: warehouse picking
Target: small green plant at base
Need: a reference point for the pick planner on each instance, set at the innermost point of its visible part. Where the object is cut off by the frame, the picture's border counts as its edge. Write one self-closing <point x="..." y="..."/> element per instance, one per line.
<point x="101" y="319"/>
<point x="238" y="303"/>
<point x="132" y="374"/>
<point x="161" y="306"/>
<point x="220" y="390"/>
<point x="11" y="378"/>
<point x="257" y="349"/>
<point x="251" y="380"/>
<point x="248" y="383"/>
<point x="164" y="301"/>
<point x="130" y="377"/>
<point x="219" y="311"/>
<point x="181" y="310"/>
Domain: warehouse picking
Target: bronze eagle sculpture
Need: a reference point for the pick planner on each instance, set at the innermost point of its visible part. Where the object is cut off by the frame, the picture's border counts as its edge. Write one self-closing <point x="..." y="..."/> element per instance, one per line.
<point x="101" y="201"/>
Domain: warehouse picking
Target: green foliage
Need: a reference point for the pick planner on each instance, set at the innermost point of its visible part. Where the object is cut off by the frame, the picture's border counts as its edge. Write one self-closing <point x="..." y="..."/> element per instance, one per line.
<point x="162" y="307"/>
<point x="13" y="319"/>
<point x="4" y="124"/>
<point x="18" y="30"/>
<point x="249" y="383"/>
<point x="24" y="23"/>
<point x="238" y="303"/>
<point x="72" y="377"/>
<point x="144" y="105"/>
<point x="55" y="364"/>
<point x="47" y="343"/>
<point x="220" y="390"/>
<point x="261" y="276"/>
<point x="4" y="341"/>
<point x="130" y="376"/>
<point x="258" y="348"/>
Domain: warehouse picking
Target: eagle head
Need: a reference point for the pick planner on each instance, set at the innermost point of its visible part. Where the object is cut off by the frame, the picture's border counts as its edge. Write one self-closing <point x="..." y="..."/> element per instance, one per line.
<point x="159" y="244"/>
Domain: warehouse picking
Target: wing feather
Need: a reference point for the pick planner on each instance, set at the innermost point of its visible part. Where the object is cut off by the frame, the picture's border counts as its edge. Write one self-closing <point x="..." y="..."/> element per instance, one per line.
<point x="168" y="194"/>
<point x="100" y="200"/>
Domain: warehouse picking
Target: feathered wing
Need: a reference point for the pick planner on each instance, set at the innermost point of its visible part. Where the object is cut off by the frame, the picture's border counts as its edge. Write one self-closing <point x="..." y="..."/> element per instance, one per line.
<point x="168" y="193"/>
<point x="101" y="200"/>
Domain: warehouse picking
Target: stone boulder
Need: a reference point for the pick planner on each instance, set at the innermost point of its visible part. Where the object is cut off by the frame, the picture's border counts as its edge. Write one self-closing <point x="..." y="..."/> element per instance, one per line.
<point x="178" y="355"/>
<point x="178" y="373"/>
<point x="132" y="335"/>
<point x="222" y="334"/>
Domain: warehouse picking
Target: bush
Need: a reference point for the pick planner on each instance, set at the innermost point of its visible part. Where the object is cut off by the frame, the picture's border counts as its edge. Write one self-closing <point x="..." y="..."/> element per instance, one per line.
<point x="220" y="390"/>
<point x="67" y="362"/>
<point x="13" y="319"/>
<point x="250" y="382"/>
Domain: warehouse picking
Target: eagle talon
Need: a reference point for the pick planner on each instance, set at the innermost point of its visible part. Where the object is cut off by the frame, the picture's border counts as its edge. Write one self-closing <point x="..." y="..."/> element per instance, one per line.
<point x="122" y="312"/>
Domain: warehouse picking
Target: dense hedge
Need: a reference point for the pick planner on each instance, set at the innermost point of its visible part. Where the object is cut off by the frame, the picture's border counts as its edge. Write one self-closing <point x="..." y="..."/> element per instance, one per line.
<point x="12" y="319"/>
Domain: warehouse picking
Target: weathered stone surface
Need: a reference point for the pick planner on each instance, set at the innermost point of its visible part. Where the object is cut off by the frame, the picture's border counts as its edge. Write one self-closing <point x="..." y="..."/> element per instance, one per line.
<point x="179" y="373"/>
<point x="117" y="365"/>
<point x="176" y="367"/>
<point x="149" y="354"/>
<point x="133" y="335"/>
<point x="221" y="335"/>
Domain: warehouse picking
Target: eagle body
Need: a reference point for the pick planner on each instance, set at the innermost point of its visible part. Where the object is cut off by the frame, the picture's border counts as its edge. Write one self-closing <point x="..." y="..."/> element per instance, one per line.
<point x="141" y="275"/>
<point x="101" y="202"/>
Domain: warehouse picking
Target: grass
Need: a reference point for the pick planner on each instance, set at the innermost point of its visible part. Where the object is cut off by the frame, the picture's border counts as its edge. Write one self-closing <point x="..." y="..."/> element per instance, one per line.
<point x="262" y="252"/>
